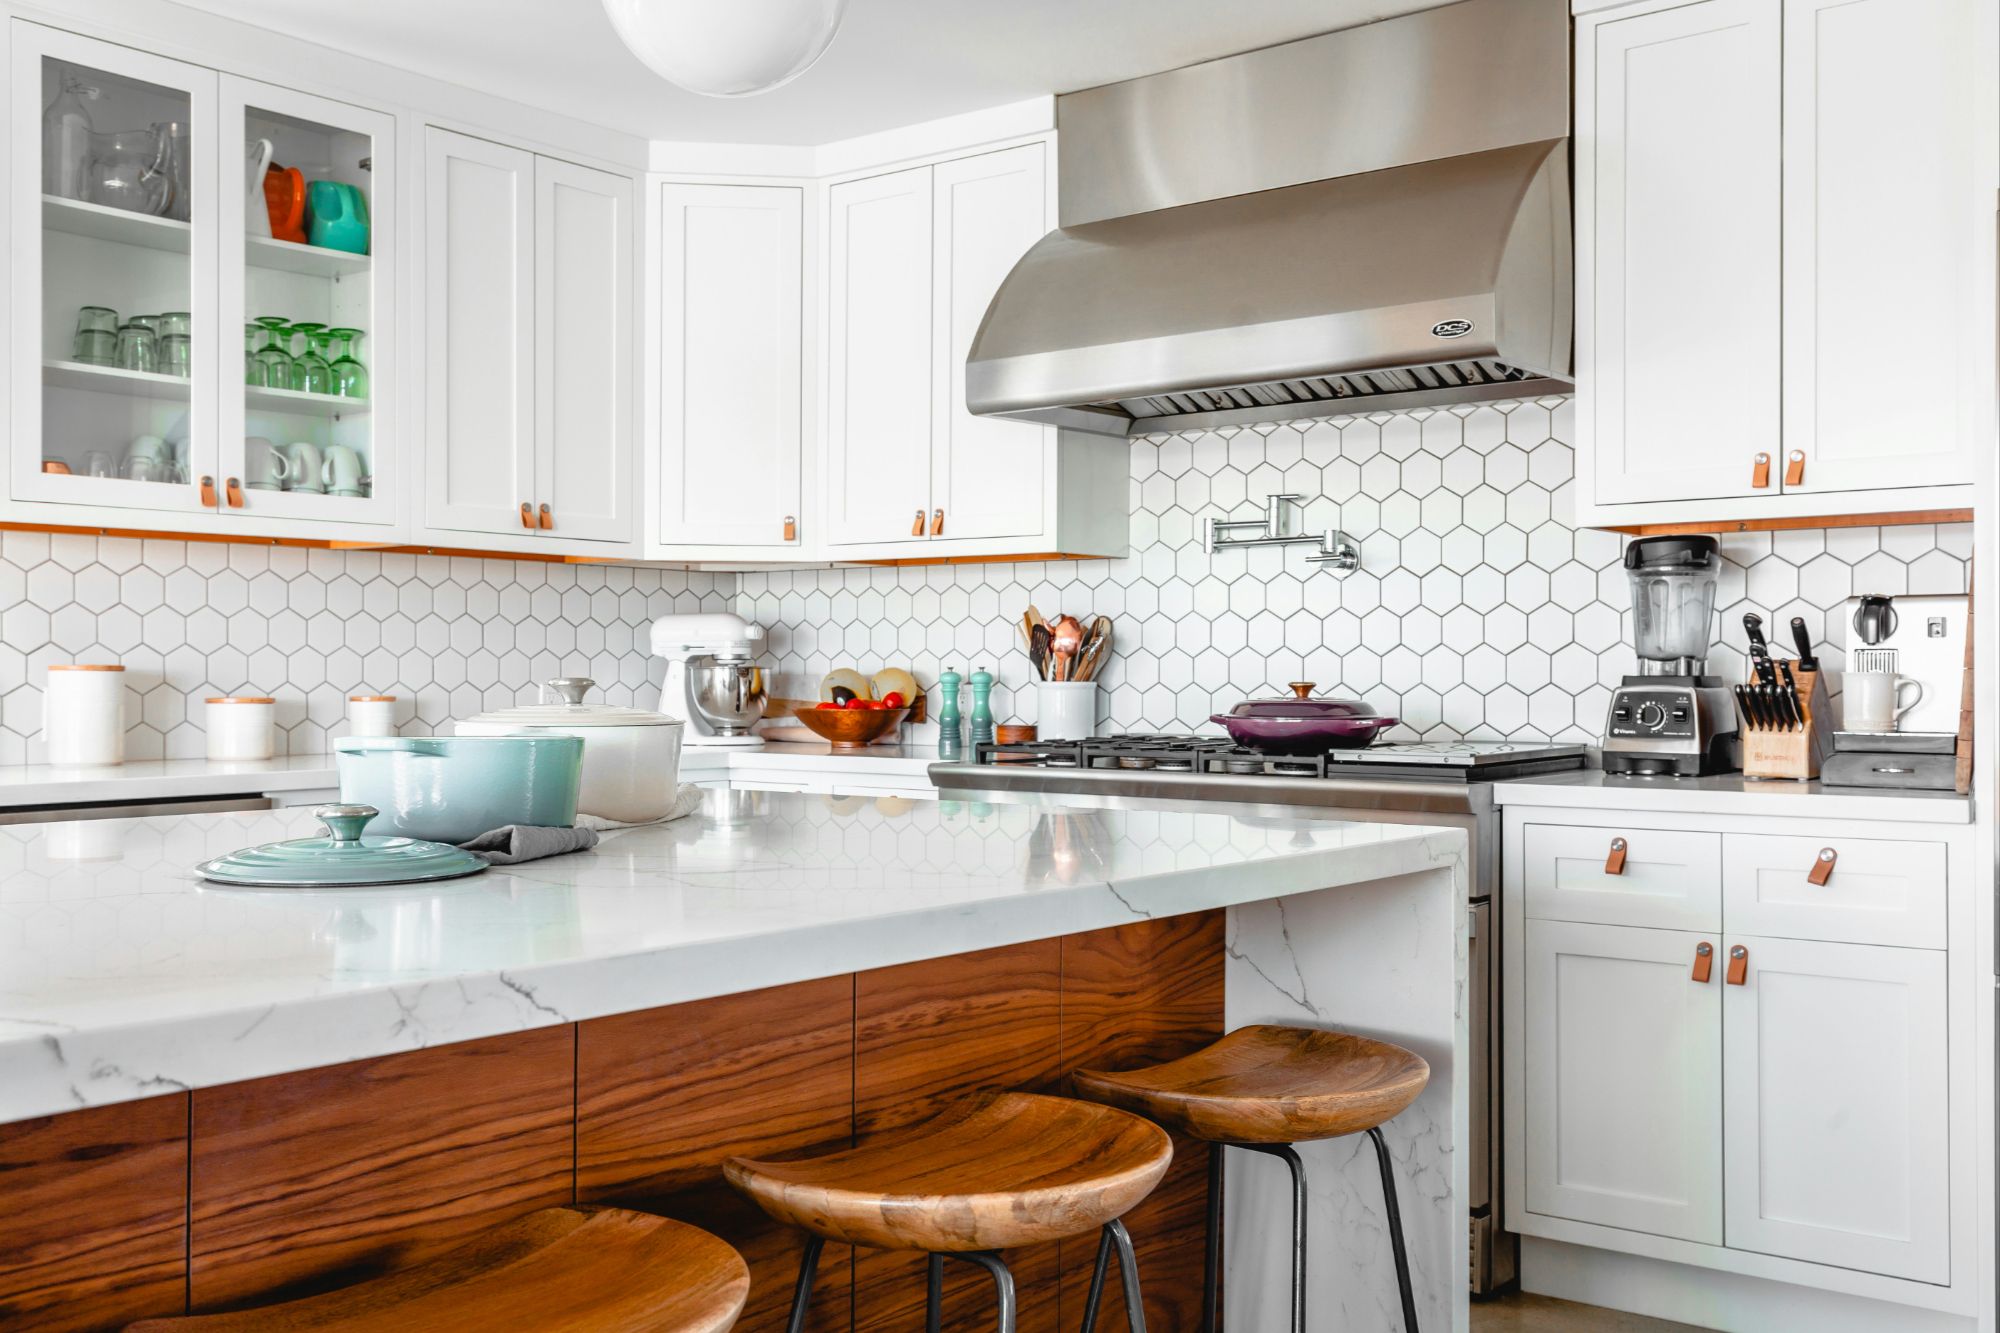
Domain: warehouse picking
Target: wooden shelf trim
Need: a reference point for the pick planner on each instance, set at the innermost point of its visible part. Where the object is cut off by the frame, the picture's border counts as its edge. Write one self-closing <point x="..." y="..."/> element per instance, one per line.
<point x="1717" y="526"/>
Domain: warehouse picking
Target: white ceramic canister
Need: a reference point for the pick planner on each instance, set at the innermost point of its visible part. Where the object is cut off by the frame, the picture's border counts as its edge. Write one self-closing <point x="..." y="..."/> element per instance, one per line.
<point x="371" y="714"/>
<point x="241" y="726"/>
<point x="83" y="714"/>
<point x="631" y="756"/>
<point x="1067" y="709"/>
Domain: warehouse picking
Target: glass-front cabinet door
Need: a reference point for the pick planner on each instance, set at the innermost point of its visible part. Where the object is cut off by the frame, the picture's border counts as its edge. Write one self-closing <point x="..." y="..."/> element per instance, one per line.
<point x="306" y="357"/>
<point x="115" y="303"/>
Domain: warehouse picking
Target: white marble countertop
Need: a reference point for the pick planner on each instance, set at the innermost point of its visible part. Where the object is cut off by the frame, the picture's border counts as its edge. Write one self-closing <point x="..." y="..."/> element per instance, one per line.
<point x="1732" y="794"/>
<point x="123" y="975"/>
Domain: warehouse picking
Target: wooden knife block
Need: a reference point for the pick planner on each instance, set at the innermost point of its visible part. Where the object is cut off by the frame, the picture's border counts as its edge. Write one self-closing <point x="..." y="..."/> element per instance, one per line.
<point x="1792" y="754"/>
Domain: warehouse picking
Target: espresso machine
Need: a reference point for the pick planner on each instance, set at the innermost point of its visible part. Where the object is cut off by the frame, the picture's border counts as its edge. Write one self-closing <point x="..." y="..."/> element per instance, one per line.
<point x="713" y="680"/>
<point x="1672" y="719"/>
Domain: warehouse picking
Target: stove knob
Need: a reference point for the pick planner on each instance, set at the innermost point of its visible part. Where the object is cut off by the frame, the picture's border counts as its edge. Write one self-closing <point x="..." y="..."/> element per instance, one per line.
<point x="1652" y="716"/>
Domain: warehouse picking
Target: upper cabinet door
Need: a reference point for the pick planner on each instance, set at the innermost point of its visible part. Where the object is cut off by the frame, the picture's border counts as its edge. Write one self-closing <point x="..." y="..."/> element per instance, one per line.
<point x="1839" y="1106"/>
<point x="309" y="331"/>
<point x="113" y="203"/>
<point x="1677" y="248"/>
<point x="730" y="298"/>
<point x="1623" y="1108"/>
<point x="584" y="368"/>
<point x="1884" y="213"/>
<point x="877" y="477"/>
<point x="987" y="474"/>
<point x="479" y="320"/>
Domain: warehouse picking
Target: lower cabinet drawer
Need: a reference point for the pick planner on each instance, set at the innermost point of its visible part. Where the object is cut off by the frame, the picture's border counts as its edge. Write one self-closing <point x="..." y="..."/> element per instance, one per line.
<point x="1875" y="892"/>
<point x="1669" y="879"/>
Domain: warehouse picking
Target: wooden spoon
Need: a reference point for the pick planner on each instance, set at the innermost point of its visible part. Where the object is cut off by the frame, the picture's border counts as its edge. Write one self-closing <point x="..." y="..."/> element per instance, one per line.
<point x="1065" y="637"/>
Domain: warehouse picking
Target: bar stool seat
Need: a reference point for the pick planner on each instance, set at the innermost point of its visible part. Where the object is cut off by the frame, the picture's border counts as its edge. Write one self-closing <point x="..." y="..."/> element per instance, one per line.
<point x="993" y="1172"/>
<point x="1267" y="1084"/>
<point x="559" y="1270"/>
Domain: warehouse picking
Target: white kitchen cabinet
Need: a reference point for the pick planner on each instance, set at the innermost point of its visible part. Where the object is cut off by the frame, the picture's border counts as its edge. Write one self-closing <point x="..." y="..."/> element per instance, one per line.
<point x="1884" y="220"/>
<point x="731" y="438"/>
<point x="1784" y="211"/>
<point x="913" y="259"/>
<point x="1678" y="229"/>
<point x="528" y="268"/>
<point x="879" y="382"/>
<point x="1836" y="1115"/>
<point x="1622" y="1096"/>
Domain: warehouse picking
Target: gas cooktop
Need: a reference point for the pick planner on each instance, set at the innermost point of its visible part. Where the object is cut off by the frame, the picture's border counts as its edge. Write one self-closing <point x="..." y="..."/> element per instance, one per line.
<point x="1436" y="761"/>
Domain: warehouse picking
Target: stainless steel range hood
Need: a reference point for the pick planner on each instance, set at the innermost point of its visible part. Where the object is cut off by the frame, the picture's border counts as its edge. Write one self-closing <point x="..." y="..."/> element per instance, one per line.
<point x="1372" y="219"/>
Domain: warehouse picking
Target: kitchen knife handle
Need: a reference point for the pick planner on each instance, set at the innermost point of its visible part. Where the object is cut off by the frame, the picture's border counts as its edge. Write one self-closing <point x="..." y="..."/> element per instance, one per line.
<point x="1802" y="640"/>
<point x="1704" y="962"/>
<point x="1739" y="966"/>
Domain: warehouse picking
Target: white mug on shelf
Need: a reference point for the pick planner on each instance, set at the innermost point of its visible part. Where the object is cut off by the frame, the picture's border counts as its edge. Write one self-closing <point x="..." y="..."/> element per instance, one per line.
<point x="1875" y="699"/>
<point x="264" y="468"/>
<point x="342" y="471"/>
<point x="151" y="448"/>
<point x="302" y="465"/>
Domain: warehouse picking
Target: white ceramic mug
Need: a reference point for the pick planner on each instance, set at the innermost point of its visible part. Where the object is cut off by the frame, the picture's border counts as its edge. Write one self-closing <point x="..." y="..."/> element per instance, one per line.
<point x="302" y="465"/>
<point x="342" y="470"/>
<point x="264" y="468"/>
<point x="1875" y="699"/>
<point x="153" y="449"/>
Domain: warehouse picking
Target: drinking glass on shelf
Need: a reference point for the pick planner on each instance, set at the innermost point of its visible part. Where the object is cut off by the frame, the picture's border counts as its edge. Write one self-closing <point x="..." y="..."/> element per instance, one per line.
<point x="275" y="361"/>
<point x="97" y="463"/>
<point x="150" y="323"/>
<point x="253" y="369"/>
<point x="311" y="372"/>
<point x="350" y="377"/>
<point x="96" y="342"/>
<point x="138" y="349"/>
<point x="175" y="355"/>
<point x="139" y="467"/>
<point x="175" y="322"/>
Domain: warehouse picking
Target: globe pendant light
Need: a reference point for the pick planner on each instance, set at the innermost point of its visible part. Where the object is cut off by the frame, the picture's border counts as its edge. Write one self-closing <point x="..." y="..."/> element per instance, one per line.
<point x="727" y="48"/>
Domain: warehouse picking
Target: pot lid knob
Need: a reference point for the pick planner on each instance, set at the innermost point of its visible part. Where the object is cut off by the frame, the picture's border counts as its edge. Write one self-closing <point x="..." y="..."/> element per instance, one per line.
<point x="571" y="689"/>
<point x="1302" y="689"/>
<point x="345" y="822"/>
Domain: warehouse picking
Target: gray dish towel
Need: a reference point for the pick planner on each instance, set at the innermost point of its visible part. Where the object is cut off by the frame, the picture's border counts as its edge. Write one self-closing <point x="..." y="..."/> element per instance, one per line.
<point x="528" y="842"/>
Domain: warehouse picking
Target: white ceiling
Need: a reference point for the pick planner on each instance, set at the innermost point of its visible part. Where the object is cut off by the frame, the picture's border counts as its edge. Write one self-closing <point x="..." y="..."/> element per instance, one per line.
<point x="895" y="62"/>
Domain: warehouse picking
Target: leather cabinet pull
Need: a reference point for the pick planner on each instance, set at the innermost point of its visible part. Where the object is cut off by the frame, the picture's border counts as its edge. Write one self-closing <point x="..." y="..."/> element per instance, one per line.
<point x="208" y="500"/>
<point x="527" y="515"/>
<point x="791" y="528"/>
<point x="234" y="490"/>
<point x="1760" y="471"/>
<point x="1614" y="864"/>
<point x="917" y="528"/>
<point x="548" y="519"/>
<point x="1739" y="966"/>
<point x="1822" y="869"/>
<point x="1704" y="961"/>
<point x="937" y="524"/>
<point x="1795" y="468"/>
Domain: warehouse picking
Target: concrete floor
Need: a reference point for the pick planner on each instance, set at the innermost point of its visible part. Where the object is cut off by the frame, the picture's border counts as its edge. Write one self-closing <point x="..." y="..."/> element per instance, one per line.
<point x="1521" y="1313"/>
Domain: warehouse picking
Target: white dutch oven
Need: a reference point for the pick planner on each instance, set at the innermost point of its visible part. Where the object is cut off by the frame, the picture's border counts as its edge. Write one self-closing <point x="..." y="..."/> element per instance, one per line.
<point x="631" y="757"/>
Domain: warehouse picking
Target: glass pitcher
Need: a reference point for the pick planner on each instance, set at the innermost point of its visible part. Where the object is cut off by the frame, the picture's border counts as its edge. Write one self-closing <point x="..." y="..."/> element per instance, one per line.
<point x="127" y="171"/>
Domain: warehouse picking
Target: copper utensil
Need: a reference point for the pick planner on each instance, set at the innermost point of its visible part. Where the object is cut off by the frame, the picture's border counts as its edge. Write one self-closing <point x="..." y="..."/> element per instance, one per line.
<point x="1065" y="637"/>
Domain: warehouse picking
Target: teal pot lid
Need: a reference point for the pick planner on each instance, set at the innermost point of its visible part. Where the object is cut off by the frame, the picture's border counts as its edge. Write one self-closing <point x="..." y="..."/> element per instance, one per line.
<point x="341" y="858"/>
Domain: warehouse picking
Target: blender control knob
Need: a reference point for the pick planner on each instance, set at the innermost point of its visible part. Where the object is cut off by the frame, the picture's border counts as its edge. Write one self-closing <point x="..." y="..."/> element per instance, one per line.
<point x="1652" y="716"/>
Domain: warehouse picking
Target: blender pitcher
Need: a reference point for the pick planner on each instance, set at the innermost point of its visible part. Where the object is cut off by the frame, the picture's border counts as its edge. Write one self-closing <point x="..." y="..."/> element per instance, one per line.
<point x="1673" y="602"/>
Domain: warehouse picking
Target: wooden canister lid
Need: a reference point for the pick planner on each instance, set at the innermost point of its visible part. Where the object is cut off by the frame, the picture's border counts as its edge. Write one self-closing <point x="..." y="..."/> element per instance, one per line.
<point x="242" y="699"/>
<point x="371" y="698"/>
<point x="85" y="666"/>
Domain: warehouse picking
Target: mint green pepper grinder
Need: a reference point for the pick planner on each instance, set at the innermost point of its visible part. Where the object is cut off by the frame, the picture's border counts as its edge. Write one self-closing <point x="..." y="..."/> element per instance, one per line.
<point x="982" y="707"/>
<point x="951" y="726"/>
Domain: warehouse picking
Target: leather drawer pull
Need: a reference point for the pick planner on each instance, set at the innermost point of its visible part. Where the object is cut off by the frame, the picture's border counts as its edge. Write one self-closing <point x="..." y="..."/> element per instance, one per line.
<point x="791" y="528"/>
<point x="547" y="520"/>
<point x="1795" y="468"/>
<point x="917" y="528"/>
<point x="208" y="499"/>
<point x="1822" y="869"/>
<point x="1760" y="472"/>
<point x="1614" y="864"/>
<point x="1704" y="960"/>
<point x="233" y="490"/>
<point x="527" y="515"/>
<point x="1739" y="966"/>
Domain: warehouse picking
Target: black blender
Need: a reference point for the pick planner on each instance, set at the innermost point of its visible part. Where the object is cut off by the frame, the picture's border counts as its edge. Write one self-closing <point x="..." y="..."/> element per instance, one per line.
<point x="1672" y="719"/>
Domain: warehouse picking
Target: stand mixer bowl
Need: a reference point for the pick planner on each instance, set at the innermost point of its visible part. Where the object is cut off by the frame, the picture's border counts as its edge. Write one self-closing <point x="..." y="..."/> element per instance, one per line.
<point x="728" y="694"/>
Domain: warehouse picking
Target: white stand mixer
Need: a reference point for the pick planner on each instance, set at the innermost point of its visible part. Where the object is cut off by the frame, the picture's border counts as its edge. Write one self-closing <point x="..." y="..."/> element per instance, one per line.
<point x="712" y="681"/>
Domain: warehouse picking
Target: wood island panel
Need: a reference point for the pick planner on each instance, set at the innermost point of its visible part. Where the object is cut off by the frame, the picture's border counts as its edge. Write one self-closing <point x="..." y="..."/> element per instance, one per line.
<point x="924" y="1034"/>
<point x="1132" y="996"/>
<point x="665" y="1095"/>
<point x="307" y="1181"/>
<point x="93" y="1233"/>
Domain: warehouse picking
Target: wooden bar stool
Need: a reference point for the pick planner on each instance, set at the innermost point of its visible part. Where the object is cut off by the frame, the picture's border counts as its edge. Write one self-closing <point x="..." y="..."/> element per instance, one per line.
<point x="995" y="1171"/>
<point x="1265" y="1089"/>
<point x="559" y="1270"/>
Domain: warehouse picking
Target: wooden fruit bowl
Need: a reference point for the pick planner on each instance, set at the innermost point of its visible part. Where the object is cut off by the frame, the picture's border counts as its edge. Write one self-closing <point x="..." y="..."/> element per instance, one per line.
<point x="850" y="728"/>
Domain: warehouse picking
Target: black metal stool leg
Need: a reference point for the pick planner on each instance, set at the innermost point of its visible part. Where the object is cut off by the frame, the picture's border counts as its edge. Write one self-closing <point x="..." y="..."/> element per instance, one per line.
<point x="802" y="1294"/>
<point x="1396" y="1233"/>
<point x="934" y="1295"/>
<point x="1211" y="1267"/>
<point x="1095" y="1297"/>
<point x="1003" y="1284"/>
<point x="1298" y="1168"/>
<point x="1128" y="1275"/>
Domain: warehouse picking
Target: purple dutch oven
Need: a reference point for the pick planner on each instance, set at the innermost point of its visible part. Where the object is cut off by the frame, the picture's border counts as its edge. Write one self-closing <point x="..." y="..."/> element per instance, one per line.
<point x="1302" y="724"/>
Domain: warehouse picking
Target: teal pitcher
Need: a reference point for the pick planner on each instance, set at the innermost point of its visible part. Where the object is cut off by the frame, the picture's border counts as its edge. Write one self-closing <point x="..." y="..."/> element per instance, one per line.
<point x="337" y="216"/>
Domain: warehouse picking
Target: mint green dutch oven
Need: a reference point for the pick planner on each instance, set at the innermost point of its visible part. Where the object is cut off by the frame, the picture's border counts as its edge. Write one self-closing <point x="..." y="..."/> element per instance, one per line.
<point x="454" y="788"/>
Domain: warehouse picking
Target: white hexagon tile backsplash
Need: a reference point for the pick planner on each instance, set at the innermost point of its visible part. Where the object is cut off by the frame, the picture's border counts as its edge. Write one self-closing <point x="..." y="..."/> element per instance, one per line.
<point x="1479" y="610"/>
